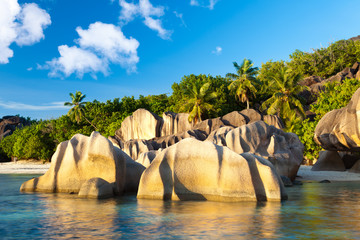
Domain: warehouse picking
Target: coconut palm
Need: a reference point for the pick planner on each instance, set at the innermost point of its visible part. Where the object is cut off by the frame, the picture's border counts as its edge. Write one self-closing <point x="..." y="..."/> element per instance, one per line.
<point x="198" y="98"/>
<point x="78" y="106"/>
<point x="244" y="80"/>
<point x="285" y="99"/>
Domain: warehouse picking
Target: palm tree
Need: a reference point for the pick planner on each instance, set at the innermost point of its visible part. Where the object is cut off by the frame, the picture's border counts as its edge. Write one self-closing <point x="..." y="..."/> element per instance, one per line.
<point x="198" y="97"/>
<point x="285" y="99"/>
<point x="243" y="81"/>
<point x="77" y="110"/>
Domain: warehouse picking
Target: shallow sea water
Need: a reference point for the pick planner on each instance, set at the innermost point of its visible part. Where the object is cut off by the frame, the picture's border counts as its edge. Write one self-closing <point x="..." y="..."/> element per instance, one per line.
<point x="313" y="211"/>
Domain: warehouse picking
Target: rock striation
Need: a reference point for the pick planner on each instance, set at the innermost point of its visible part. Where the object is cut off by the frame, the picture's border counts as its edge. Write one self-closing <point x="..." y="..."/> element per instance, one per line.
<point x="195" y="170"/>
<point x="142" y="124"/>
<point x="78" y="160"/>
<point x="283" y="150"/>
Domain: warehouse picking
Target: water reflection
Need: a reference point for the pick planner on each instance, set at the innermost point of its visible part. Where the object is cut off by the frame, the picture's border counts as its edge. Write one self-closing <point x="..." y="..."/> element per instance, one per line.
<point x="313" y="211"/>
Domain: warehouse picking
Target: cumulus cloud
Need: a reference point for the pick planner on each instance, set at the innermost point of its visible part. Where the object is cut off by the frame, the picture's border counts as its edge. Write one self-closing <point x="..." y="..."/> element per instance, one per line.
<point x="217" y="51"/>
<point x="76" y="60"/>
<point x="22" y="106"/>
<point x="148" y="12"/>
<point x="204" y="3"/>
<point x="23" y="25"/>
<point x="99" y="45"/>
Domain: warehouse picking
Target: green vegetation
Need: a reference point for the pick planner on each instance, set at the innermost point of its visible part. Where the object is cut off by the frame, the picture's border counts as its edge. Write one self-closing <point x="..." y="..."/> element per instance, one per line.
<point x="272" y="89"/>
<point x="244" y="81"/>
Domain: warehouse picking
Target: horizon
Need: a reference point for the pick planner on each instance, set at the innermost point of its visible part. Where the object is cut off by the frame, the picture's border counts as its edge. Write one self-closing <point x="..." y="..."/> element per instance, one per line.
<point x="112" y="49"/>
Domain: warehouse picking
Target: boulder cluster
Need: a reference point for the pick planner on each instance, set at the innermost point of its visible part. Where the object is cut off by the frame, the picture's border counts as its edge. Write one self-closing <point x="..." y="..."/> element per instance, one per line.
<point x="8" y="124"/>
<point x="338" y="132"/>
<point x="237" y="157"/>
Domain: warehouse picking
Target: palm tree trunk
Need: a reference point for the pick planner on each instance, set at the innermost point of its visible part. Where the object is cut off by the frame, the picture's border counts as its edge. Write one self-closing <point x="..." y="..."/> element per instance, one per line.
<point x="90" y="123"/>
<point x="247" y="104"/>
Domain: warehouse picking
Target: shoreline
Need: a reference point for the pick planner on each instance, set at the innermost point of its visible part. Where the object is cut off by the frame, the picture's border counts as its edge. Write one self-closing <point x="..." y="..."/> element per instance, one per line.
<point x="304" y="174"/>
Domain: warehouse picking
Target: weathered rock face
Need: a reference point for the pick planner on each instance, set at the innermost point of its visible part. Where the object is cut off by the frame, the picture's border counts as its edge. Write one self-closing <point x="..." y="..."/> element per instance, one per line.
<point x="274" y="120"/>
<point x="78" y="160"/>
<point x="167" y="141"/>
<point x="142" y="124"/>
<point x="339" y="129"/>
<point x="218" y="136"/>
<point x="8" y="124"/>
<point x="175" y="123"/>
<point x="209" y="125"/>
<point x="234" y="119"/>
<point x="146" y="158"/>
<point x="195" y="170"/>
<point x="329" y="161"/>
<point x="96" y="188"/>
<point x="282" y="149"/>
<point x="135" y="147"/>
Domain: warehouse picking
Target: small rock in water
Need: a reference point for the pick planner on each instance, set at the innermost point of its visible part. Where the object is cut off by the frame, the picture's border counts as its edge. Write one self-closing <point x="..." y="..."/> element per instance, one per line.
<point x="325" y="181"/>
<point x="287" y="182"/>
<point x="296" y="182"/>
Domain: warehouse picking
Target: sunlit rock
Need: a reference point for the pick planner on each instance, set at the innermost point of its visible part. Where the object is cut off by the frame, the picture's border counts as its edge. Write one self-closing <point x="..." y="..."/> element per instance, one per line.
<point x="96" y="188"/>
<point x="175" y="123"/>
<point x="78" y="160"/>
<point x="338" y="130"/>
<point x="195" y="170"/>
<point x="283" y="150"/>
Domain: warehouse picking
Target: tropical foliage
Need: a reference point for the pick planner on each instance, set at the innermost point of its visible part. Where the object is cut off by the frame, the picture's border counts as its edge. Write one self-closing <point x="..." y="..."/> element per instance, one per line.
<point x="274" y="87"/>
<point x="243" y="84"/>
<point x="285" y="100"/>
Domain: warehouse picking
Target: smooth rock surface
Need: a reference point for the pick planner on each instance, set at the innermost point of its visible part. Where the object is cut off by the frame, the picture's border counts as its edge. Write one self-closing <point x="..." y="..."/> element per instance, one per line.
<point x="175" y="123"/>
<point x="78" y="160"/>
<point x="146" y="158"/>
<point x="142" y="124"/>
<point x="329" y="161"/>
<point x="339" y="129"/>
<point x="96" y="188"/>
<point x="195" y="170"/>
<point x="282" y="149"/>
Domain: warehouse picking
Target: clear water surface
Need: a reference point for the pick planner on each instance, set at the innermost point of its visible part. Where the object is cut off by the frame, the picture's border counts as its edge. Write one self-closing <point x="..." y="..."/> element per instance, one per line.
<point x="313" y="211"/>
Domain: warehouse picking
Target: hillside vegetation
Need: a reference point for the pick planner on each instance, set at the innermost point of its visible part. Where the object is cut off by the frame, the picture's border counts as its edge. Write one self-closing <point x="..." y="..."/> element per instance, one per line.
<point x="272" y="89"/>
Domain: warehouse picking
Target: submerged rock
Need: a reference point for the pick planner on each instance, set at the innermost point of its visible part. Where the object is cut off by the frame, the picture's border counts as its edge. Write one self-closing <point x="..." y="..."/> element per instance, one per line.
<point x="195" y="170"/>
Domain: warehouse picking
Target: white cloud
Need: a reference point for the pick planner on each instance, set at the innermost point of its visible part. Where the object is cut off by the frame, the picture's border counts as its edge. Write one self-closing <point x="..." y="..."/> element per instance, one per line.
<point x="99" y="45"/>
<point x="21" y="24"/>
<point x="217" y="51"/>
<point x="110" y="43"/>
<point x="204" y="3"/>
<point x="22" y="106"/>
<point x="34" y="20"/>
<point x="180" y="16"/>
<point x="148" y="12"/>
<point x="76" y="60"/>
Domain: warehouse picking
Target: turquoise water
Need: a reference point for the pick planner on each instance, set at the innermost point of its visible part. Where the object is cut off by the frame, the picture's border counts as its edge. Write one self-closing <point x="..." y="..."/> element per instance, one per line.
<point x="313" y="211"/>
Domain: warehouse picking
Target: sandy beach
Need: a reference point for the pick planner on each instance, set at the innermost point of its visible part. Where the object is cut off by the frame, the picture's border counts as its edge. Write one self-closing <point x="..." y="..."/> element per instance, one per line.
<point x="304" y="173"/>
<point x="22" y="167"/>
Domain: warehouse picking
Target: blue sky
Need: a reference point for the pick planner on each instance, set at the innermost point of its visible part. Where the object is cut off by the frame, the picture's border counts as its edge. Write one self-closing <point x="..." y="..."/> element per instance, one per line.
<point x="110" y="49"/>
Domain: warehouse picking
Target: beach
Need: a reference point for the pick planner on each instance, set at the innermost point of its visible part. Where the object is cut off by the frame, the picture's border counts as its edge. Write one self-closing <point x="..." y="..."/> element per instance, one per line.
<point x="24" y="167"/>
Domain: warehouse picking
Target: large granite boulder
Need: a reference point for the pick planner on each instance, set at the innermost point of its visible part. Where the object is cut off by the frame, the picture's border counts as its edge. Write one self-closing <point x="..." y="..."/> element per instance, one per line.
<point x="209" y="125"/>
<point x="79" y="159"/>
<point x="195" y="170"/>
<point x="329" y="161"/>
<point x="338" y="130"/>
<point x="142" y="124"/>
<point x="175" y="123"/>
<point x="134" y="171"/>
<point x="283" y="150"/>
<point x="274" y="120"/>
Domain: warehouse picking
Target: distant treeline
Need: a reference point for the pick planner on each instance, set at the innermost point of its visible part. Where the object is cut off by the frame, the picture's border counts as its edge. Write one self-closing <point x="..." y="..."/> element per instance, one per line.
<point x="273" y="88"/>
